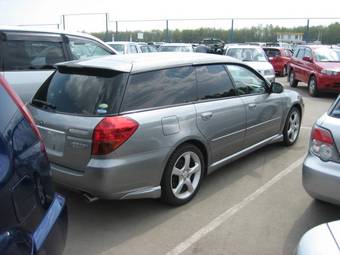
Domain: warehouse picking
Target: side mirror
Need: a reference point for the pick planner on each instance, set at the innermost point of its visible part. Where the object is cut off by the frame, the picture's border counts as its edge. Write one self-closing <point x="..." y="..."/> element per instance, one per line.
<point x="307" y="59"/>
<point x="276" y="87"/>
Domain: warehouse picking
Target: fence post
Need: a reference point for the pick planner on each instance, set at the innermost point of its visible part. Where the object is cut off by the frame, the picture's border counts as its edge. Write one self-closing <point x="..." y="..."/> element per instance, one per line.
<point x="116" y="39"/>
<point x="231" y="36"/>
<point x="167" y="31"/>
<point x="63" y="18"/>
<point x="307" y="32"/>
<point x="107" y="26"/>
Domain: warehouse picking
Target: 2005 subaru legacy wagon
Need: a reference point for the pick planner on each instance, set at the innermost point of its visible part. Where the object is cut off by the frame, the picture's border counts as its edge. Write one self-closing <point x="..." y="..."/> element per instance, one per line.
<point x="153" y="125"/>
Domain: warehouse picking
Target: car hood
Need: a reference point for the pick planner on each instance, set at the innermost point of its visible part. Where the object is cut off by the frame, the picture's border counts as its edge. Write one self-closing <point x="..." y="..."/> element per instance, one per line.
<point x="260" y="66"/>
<point x="330" y="65"/>
<point x="318" y="240"/>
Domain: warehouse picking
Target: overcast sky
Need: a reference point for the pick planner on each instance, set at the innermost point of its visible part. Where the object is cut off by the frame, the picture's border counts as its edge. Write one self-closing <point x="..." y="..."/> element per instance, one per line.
<point x="23" y="12"/>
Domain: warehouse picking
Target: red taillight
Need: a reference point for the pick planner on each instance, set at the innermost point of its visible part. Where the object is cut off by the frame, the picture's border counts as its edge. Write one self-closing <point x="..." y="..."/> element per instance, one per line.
<point x="111" y="133"/>
<point x="23" y="110"/>
<point x="322" y="135"/>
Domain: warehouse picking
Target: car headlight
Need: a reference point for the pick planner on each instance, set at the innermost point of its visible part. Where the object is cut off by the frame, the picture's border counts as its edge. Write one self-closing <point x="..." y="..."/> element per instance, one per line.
<point x="329" y="72"/>
<point x="269" y="72"/>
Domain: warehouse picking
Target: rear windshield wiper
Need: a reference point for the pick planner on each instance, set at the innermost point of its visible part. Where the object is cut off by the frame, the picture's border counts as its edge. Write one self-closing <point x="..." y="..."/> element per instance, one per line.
<point x="44" y="103"/>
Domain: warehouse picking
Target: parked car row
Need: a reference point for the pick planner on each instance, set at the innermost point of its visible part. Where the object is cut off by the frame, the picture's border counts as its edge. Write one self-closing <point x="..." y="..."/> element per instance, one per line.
<point x="135" y="126"/>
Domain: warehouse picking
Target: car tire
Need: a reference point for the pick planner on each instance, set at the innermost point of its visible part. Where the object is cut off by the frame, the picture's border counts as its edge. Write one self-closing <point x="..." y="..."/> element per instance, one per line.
<point x="313" y="87"/>
<point x="292" y="126"/>
<point x="183" y="175"/>
<point x="291" y="78"/>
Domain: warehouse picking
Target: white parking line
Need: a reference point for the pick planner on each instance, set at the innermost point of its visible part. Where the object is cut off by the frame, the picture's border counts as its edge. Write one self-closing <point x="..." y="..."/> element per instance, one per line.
<point x="219" y="220"/>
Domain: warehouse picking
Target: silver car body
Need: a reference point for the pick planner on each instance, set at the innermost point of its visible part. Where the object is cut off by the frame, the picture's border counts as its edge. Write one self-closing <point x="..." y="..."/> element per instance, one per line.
<point x="176" y="47"/>
<point x="223" y="129"/>
<point x="123" y="47"/>
<point x="263" y="67"/>
<point x="321" y="179"/>
<point x="320" y="240"/>
<point x="27" y="82"/>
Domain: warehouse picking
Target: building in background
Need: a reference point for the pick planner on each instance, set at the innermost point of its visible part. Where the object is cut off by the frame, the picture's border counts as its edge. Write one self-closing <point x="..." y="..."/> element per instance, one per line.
<point x="290" y="37"/>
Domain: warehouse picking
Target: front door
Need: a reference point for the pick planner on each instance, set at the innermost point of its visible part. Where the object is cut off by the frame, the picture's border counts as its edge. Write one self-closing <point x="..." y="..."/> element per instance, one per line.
<point x="264" y="110"/>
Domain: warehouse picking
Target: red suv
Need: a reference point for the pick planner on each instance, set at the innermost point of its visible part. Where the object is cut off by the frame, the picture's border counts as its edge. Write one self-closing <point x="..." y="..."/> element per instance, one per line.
<point x="279" y="58"/>
<point x="318" y="66"/>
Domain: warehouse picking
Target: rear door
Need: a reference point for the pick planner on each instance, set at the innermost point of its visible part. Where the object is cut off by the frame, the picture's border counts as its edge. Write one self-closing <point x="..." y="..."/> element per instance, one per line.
<point x="28" y="59"/>
<point x="221" y="115"/>
<point x="68" y="107"/>
<point x="264" y="110"/>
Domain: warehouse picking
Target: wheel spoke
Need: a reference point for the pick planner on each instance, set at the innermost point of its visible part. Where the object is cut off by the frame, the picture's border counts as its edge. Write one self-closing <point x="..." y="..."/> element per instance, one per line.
<point x="179" y="187"/>
<point x="189" y="185"/>
<point x="187" y="159"/>
<point x="194" y="169"/>
<point x="177" y="172"/>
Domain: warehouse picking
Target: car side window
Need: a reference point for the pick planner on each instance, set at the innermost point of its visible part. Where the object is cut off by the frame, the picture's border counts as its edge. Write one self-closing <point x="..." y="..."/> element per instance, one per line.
<point x="213" y="82"/>
<point x="301" y="53"/>
<point x="32" y="55"/>
<point x="132" y="49"/>
<point x="160" y="88"/>
<point x="308" y="53"/>
<point x="246" y="81"/>
<point x="83" y="48"/>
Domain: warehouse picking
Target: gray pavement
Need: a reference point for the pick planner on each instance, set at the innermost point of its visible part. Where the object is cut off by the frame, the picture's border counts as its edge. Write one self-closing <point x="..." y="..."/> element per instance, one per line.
<point x="235" y="212"/>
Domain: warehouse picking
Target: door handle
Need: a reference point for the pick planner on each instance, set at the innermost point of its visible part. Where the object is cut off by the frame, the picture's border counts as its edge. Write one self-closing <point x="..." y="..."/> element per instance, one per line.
<point x="206" y="115"/>
<point x="251" y="106"/>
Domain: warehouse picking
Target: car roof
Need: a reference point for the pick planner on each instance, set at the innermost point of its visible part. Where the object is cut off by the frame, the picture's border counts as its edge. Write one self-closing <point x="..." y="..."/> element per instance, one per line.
<point x="121" y="42"/>
<point x="247" y="46"/>
<point x="53" y="31"/>
<point x="273" y="47"/>
<point x="176" y="44"/>
<point x="135" y="63"/>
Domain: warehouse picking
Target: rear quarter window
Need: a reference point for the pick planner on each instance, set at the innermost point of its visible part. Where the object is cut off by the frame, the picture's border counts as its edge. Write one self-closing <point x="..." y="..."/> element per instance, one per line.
<point x="160" y="88"/>
<point x="90" y="92"/>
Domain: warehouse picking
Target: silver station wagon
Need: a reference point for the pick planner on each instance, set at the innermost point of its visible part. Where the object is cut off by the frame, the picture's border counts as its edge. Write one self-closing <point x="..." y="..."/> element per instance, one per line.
<point x="153" y="125"/>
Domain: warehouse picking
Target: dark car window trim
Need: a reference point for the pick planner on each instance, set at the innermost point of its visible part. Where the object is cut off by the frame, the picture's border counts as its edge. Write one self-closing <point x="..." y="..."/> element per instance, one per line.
<point x="335" y="103"/>
<point x="256" y="73"/>
<point x="32" y="36"/>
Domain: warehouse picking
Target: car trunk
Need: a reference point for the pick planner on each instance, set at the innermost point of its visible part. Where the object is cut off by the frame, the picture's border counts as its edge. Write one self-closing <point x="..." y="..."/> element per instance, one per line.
<point x="68" y="107"/>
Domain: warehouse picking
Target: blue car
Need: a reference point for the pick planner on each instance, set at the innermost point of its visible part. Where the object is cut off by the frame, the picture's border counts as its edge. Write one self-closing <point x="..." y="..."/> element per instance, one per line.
<point x="33" y="218"/>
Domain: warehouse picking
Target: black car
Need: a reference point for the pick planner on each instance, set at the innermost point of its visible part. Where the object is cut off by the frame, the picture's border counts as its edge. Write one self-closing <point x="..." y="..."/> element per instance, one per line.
<point x="215" y="45"/>
<point x="33" y="218"/>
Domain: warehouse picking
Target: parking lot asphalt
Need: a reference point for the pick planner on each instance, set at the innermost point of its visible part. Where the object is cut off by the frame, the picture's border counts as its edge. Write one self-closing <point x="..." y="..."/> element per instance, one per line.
<point x="256" y="205"/>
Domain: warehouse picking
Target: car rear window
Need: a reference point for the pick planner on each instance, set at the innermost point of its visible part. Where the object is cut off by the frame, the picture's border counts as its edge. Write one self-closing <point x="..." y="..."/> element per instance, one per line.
<point x="272" y="52"/>
<point x="82" y="92"/>
<point x="336" y="110"/>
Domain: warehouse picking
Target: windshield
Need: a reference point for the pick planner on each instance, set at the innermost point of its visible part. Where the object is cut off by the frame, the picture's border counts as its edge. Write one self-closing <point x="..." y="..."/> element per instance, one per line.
<point x="175" y="49"/>
<point x="118" y="47"/>
<point x="248" y="54"/>
<point x="327" y="55"/>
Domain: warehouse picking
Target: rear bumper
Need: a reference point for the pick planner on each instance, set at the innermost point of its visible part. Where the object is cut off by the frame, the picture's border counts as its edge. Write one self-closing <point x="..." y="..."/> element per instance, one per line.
<point x="321" y="179"/>
<point x="50" y="235"/>
<point x="133" y="176"/>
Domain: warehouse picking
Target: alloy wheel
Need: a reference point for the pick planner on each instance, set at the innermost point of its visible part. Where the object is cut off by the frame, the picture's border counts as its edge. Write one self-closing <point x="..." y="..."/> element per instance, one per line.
<point x="293" y="126"/>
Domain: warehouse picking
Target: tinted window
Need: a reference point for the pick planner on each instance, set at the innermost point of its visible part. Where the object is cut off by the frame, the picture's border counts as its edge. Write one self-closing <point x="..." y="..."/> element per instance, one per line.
<point x="272" y="52"/>
<point x="246" y="81"/>
<point x="213" y="82"/>
<point x="83" y="92"/>
<point x="82" y="48"/>
<point x="160" y="88"/>
<point x="31" y="55"/>
<point x="301" y="53"/>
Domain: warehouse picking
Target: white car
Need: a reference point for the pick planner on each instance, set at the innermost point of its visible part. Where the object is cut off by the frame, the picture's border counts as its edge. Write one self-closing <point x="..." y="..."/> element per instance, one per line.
<point x="255" y="57"/>
<point x="176" y="47"/>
